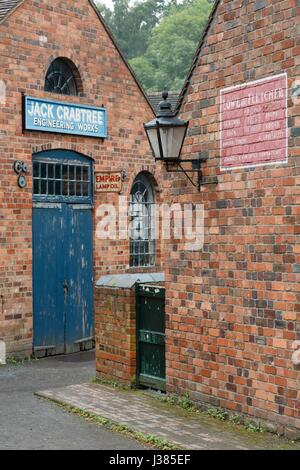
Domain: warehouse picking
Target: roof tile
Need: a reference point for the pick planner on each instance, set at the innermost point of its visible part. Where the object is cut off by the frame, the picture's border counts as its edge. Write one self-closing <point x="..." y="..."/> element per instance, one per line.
<point x="6" y="6"/>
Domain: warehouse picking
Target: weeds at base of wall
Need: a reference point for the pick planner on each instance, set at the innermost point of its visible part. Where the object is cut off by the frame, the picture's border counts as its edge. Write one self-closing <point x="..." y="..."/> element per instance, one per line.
<point x="184" y="402"/>
<point x="149" y="439"/>
<point x="215" y="412"/>
<point x="181" y="401"/>
<point x="19" y="361"/>
<point x="112" y="384"/>
<point x="236" y="419"/>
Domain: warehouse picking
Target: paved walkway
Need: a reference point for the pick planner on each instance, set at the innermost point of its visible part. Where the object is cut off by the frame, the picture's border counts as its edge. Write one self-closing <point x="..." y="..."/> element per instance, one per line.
<point x="28" y="422"/>
<point x="142" y="412"/>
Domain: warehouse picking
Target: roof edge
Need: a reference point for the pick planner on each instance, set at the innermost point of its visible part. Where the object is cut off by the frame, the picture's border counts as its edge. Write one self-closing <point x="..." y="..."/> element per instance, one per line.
<point x="196" y="56"/>
<point x="11" y="11"/>
<point x="114" y="41"/>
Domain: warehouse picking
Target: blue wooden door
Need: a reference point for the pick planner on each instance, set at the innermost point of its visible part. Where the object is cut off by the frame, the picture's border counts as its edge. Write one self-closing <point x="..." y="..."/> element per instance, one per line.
<point x="48" y="278"/>
<point x="62" y="253"/>
<point x="79" y="285"/>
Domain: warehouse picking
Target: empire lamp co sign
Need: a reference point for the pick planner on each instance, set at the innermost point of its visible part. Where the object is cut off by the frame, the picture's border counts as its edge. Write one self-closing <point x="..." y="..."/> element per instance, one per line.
<point x="64" y="118"/>
<point x="108" y="182"/>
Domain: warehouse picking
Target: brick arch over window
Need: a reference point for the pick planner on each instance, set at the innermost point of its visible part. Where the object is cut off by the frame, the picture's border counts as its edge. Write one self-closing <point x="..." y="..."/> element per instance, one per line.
<point x="63" y="77"/>
<point x="63" y="145"/>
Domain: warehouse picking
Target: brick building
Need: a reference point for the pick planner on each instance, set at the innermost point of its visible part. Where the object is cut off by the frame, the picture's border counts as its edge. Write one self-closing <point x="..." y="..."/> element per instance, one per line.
<point x="232" y="308"/>
<point x="54" y="54"/>
<point x="233" y="316"/>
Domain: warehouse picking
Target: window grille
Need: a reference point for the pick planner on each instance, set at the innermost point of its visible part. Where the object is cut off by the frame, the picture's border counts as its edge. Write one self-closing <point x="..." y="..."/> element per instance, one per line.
<point x="55" y="179"/>
<point x="142" y="215"/>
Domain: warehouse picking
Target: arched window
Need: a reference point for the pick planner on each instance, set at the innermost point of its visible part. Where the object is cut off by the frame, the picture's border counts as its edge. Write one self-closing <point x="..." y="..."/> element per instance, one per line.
<point x="142" y="238"/>
<point x="62" y="77"/>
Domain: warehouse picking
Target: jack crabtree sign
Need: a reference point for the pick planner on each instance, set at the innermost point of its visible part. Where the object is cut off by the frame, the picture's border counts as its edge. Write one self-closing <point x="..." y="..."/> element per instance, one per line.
<point x="108" y="182"/>
<point x="253" y="121"/>
<point x="64" y="118"/>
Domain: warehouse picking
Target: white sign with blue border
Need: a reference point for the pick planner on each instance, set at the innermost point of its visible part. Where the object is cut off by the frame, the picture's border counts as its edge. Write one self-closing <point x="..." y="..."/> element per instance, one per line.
<point x="64" y="118"/>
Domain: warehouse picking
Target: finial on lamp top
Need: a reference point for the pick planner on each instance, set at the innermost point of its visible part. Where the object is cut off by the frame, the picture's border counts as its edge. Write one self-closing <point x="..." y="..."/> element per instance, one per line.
<point x="165" y="107"/>
<point x="165" y="93"/>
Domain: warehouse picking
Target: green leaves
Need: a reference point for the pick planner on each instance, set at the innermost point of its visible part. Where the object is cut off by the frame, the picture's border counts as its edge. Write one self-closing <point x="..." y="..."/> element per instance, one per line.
<point x="159" y="37"/>
<point x="132" y="25"/>
<point x="172" y="45"/>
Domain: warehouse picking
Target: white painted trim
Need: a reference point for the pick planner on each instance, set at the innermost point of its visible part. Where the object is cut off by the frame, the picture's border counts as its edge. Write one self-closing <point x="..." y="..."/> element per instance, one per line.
<point x="46" y="205"/>
<point x="81" y="206"/>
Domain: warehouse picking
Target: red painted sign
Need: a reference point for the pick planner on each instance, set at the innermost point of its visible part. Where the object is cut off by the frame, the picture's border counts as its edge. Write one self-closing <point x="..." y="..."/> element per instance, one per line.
<point x="108" y="182"/>
<point x="254" y="123"/>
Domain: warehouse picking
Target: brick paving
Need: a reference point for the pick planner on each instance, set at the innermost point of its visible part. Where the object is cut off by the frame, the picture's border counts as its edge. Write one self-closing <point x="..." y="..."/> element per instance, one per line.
<point x="143" y="413"/>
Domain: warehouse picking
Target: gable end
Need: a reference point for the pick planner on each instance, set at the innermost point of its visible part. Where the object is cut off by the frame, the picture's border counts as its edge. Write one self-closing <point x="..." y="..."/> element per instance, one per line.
<point x="196" y="56"/>
<point x="7" y="7"/>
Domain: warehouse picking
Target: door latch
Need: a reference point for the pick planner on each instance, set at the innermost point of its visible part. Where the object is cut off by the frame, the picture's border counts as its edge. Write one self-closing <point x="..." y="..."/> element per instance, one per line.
<point x="66" y="288"/>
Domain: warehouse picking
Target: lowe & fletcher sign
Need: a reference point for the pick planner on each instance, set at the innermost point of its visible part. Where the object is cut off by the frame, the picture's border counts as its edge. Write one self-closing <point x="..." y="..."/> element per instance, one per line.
<point x="64" y="118"/>
<point x="254" y="125"/>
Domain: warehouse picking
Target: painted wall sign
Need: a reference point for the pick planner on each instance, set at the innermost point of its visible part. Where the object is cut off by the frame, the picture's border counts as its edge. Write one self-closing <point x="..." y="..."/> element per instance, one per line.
<point x="64" y="118"/>
<point x="253" y="121"/>
<point x="108" y="182"/>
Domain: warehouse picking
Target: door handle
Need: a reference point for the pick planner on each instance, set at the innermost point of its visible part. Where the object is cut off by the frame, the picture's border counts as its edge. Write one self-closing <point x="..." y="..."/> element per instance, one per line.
<point x="66" y="289"/>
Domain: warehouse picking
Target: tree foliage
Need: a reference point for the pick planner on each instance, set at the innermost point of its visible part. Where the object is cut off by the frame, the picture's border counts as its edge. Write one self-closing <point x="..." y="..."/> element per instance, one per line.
<point x="132" y="25"/>
<point x="158" y="37"/>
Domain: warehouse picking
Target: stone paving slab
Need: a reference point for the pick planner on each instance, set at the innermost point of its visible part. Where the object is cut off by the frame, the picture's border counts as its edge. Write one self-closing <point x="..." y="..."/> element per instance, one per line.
<point x="144" y="414"/>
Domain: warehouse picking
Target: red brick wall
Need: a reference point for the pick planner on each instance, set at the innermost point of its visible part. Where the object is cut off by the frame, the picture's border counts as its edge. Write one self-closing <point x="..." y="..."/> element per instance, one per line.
<point x="115" y="327"/>
<point x="233" y="308"/>
<point x="34" y="35"/>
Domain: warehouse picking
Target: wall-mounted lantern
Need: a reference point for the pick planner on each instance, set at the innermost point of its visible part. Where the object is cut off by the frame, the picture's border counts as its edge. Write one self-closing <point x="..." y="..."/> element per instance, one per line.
<point x="166" y="134"/>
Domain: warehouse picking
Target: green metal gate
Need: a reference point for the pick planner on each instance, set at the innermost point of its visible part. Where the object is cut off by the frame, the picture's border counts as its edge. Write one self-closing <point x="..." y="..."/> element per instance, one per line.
<point x="151" y="364"/>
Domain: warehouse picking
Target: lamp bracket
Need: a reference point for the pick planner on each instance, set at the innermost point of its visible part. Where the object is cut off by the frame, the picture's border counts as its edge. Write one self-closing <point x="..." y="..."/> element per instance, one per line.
<point x="196" y="164"/>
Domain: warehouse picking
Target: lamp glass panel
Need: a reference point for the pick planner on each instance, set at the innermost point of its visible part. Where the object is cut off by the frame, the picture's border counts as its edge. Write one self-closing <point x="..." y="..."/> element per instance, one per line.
<point x="153" y="138"/>
<point x="171" y="139"/>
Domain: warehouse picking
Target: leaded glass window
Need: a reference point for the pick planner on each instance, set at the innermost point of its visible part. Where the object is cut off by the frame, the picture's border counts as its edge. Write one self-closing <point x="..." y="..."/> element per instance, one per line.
<point x="60" y="78"/>
<point x="142" y="215"/>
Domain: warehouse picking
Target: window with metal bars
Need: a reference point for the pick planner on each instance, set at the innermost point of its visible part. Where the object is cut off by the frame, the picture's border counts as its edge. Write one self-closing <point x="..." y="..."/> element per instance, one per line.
<point x="142" y="207"/>
<point x="67" y="180"/>
<point x="60" y="78"/>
